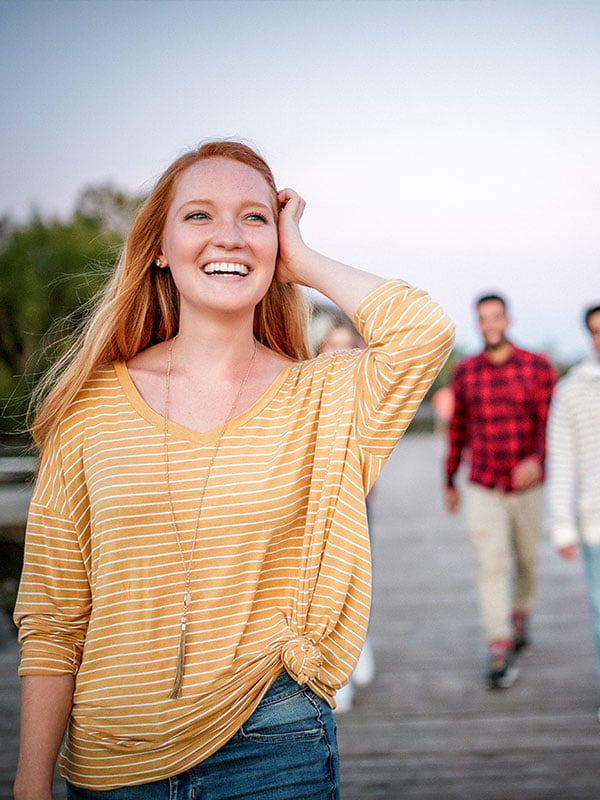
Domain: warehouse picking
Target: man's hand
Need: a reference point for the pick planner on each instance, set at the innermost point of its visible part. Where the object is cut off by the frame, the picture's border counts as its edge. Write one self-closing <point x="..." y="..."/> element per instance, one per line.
<point x="452" y="499"/>
<point x="527" y="473"/>
<point x="569" y="551"/>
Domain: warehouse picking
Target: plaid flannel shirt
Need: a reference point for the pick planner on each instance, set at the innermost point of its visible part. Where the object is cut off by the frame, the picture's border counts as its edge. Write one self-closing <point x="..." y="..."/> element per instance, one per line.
<point x="500" y="415"/>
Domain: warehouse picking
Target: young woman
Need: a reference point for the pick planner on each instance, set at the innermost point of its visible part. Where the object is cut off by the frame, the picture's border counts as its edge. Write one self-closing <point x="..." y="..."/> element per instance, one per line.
<point x="197" y="581"/>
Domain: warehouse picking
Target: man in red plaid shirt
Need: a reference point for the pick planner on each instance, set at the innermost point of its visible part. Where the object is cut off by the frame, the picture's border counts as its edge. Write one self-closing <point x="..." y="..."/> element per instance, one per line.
<point x="501" y="403"/>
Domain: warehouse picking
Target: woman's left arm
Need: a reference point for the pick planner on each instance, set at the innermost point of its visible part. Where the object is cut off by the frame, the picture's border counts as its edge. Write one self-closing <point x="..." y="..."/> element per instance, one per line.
<point x="344" y="285"/>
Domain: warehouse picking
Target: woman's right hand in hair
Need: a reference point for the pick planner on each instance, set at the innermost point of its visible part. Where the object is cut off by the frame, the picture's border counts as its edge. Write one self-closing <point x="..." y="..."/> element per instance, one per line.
<point x="292" y="250"/>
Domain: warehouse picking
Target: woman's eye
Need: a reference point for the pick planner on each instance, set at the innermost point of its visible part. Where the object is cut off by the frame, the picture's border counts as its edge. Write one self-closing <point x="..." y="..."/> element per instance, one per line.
<point x="197" y="215"/>
<point x="257" y="218"/>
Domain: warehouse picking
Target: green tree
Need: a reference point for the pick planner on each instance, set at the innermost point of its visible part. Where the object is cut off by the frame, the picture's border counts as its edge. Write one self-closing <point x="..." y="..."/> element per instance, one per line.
<point x="50" y="270"/>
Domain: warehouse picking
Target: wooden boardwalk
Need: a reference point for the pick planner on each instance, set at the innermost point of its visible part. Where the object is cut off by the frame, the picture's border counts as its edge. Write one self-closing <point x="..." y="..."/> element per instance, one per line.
<point x="427" y="727"/>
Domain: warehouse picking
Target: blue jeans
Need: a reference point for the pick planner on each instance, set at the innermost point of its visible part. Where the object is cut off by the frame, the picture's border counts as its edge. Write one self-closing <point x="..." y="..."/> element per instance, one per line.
<point x="287" y="750"/>
<point x="591" y="560"/>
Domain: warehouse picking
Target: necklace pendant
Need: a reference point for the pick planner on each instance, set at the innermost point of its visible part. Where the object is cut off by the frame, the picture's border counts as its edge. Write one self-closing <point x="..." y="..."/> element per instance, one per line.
<point x="187" y="563"/>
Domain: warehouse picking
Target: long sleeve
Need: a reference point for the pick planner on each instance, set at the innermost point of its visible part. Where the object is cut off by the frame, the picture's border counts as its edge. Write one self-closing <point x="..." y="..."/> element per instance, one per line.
<point x="562" y="470"/>
<point x="546" y="382"/>
<point x="457" y="429"/>
<point x="573" y="465"/>
<point x="54" y="599"/>
<point x="408" y="340"/>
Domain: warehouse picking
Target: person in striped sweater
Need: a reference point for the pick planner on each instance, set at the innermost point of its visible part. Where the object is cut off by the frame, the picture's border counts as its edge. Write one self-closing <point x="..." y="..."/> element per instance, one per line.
<point x="573" y="489"/>
<point x="196" y="584"/>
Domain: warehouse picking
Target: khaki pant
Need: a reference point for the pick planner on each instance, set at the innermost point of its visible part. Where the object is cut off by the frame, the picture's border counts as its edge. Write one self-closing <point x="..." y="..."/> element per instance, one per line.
<point x="505" y="530"/>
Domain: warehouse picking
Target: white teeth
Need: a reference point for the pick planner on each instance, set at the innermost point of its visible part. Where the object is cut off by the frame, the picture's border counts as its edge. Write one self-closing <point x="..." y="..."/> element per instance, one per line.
<point x="225" y="268"/>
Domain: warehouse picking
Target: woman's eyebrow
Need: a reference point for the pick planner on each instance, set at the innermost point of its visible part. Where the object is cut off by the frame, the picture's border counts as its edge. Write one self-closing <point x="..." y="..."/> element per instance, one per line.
<point x="207" y="201"/>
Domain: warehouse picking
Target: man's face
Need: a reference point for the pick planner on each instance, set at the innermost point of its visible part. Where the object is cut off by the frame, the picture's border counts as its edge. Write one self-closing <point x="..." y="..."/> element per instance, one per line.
<point x="594" y="328"/>
<point x="493" y="323"/>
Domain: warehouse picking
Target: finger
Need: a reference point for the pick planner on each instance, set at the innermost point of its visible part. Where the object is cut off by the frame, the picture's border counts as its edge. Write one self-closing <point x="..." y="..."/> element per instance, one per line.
<point x="291" y="200"/>
<point x="286" y="194"/>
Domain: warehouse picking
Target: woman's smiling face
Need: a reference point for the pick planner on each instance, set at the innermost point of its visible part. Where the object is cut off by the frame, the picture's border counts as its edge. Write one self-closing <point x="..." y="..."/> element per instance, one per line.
<point x="220" y="239"/>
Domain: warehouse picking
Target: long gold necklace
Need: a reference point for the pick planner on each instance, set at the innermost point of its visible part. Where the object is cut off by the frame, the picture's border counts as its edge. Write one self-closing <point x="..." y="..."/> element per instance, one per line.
<point x="187" y="565"/>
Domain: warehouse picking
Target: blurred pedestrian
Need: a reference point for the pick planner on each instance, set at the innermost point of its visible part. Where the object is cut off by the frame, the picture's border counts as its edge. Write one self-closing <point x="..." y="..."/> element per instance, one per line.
<point x="343" y="336"/>
<point x="196" y="584"/>
<point x="501" y="401"/>
<point x="340" y="336"/>
<point x="573" y="490"/>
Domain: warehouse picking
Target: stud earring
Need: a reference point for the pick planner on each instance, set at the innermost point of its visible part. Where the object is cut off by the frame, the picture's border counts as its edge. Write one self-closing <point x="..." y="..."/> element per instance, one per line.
<point x="157" y="262"/>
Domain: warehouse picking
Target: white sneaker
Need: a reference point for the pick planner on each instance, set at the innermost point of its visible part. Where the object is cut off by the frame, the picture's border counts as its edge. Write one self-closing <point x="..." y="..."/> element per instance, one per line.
<point x="364" y="672"/>
<point x="344" y="698"/>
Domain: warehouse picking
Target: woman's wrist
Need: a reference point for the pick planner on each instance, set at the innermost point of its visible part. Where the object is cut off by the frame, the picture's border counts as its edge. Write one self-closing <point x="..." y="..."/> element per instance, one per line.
<point x="299" y="269"/>
<point x="26" y="788"/>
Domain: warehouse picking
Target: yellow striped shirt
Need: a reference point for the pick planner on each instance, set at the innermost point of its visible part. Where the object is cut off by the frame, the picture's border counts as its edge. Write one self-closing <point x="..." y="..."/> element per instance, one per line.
<point x="281" y="568"/>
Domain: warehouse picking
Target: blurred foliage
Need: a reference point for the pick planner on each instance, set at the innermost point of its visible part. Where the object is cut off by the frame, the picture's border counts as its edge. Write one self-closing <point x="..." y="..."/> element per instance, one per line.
<point x="445" y="375"/>
<point x="50" y="271"/>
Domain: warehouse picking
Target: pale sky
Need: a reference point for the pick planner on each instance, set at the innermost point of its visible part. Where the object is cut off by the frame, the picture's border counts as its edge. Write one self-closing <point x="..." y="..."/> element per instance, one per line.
<point x="453" y="143"/>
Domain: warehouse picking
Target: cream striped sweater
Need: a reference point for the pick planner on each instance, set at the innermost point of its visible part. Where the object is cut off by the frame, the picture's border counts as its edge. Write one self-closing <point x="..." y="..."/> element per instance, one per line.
<point x="281" y="571"/>
<point x="573" y="464"/>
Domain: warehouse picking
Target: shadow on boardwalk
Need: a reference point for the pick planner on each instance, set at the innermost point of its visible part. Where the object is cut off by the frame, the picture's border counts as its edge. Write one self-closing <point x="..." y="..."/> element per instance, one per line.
<point x="427" y="727"/>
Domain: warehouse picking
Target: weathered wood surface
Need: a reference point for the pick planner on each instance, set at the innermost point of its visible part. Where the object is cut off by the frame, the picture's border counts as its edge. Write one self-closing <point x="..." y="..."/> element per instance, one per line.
<point x="427" y="727"/>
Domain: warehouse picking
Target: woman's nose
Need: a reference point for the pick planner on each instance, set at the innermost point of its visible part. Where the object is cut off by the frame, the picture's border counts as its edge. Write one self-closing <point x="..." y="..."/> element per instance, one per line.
<point x="228" y="233"/>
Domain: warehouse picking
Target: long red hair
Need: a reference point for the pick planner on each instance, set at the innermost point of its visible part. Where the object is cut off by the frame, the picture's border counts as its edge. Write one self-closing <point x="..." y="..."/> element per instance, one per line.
<point x="139" y="306"/>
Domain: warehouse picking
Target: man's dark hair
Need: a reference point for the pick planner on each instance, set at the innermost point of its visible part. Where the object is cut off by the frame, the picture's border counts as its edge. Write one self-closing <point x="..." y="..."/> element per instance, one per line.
<point x="484" y="299"/>
<point x="588" y="313"/>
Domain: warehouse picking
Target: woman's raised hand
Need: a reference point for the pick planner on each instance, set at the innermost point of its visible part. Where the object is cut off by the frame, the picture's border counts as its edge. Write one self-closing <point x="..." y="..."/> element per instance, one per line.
<point x="292" y="250"/>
